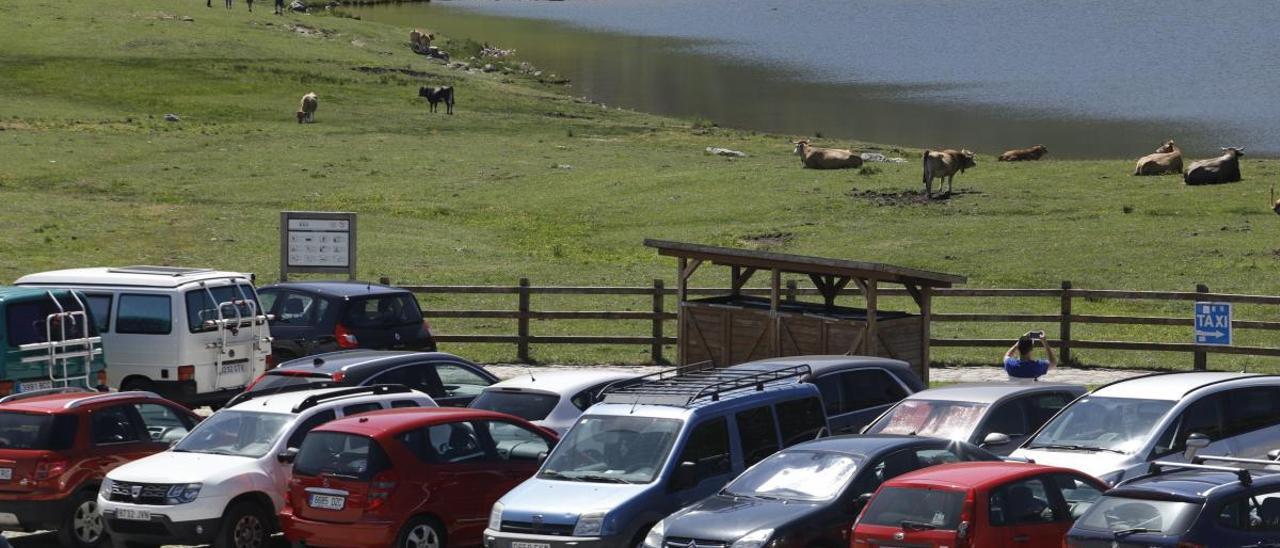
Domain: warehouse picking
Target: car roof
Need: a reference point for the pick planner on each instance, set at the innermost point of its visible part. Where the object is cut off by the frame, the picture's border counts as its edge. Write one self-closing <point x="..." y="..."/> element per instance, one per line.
<point x="560" y="382"/>
<point x="285" y="402"/>
<point x="63" y="402"/>
<point x="10" y="292"/>
<point x="132" y="276"/>
<point x="344" y="360"/>
<point x="821" y="365"/>
<point x="1174" y="386"/>
<point x="870" y="444"/>
<point x="727" y="401"/>
<point x="972" y="475"/>
<point x="339" y="288"/>
<point x="990" y="392"/>
<point x="393" y="421"/>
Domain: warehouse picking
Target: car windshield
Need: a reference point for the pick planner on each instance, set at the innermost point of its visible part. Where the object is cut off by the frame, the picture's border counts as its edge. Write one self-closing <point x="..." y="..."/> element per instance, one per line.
<point x="796" y="475"/>
<point x="276" y="381"/>
<point x="232" y="432"/>
<point x="612" y="449"/>
<point x="953" y="420"/>
<point x="37" y="431"/>
<point x="1115" y="514"/>
<point x="530" y="406"/>
<point x="1103" y="424"/>
<point x="915" y="509"/>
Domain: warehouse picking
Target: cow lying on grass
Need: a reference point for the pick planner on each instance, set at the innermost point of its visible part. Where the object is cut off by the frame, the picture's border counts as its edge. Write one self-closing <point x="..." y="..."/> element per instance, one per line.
<point x="420" y="41"/>
<point x="1166" y="160"/>
<point x="1223" y="169"/>
<point x="944" y="165"/>
<point x="307" y="108"/>
<point x="436" y="95"/>
<point x="1021" y="154"/>
<point x="826" y="158"/>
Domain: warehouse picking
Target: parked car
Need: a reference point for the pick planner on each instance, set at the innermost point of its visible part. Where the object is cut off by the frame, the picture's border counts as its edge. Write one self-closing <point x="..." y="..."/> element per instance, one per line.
<point x="57" y="444"/>
<point x="650" y="448"/>
<point x="50" y="341"/>
<point x="1114" y="432"/>
<point x="994" y="416"/>
<point x="450" y="380"/>
<point x="855" y="389"/>
<point x="194" y="336"/>
<point x="408" y="478"/>
<point x="977" y="504"/>
<point x="806" y="495"/>
<point x="327" y="316"/>
<point x="225" y="482"/>
<point x="1222" y="505"/>
<point x="551" y="399"/>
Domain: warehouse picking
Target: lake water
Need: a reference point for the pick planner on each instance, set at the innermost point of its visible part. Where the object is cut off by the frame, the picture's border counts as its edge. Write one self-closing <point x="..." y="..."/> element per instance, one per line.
<point x="1087" y="78"/>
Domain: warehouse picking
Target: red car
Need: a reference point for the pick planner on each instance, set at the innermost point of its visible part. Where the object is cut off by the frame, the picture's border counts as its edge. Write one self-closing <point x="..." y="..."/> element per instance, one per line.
<point x="56" y="445"/>
<point x="976" y="505"/>
<point x="408" y="477"/>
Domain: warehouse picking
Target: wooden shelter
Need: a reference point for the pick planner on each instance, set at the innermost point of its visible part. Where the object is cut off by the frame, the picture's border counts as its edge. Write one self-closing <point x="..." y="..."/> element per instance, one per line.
<point x="735" y="328"/>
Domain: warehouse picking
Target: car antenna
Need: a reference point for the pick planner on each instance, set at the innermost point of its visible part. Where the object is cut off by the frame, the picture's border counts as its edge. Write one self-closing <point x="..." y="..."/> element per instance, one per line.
<point x="530" y="370"/>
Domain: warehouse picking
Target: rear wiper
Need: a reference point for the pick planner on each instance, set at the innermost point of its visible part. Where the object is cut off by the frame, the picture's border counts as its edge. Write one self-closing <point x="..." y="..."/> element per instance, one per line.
<point x="1126" y="532"/>
<point x="917" y="526"/>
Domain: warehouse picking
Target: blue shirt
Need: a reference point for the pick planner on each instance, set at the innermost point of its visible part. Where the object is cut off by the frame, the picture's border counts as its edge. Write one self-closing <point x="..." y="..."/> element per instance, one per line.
<point x="1025" y="369"/>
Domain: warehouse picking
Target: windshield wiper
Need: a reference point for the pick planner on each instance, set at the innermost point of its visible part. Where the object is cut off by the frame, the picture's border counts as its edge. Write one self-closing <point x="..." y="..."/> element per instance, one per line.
<point x="1075" y="448"/>
<point x="552" y="474"/>
<point x="1126" y="532"/>
<point x="917" y="526"/>
<point x="606" y="479"/>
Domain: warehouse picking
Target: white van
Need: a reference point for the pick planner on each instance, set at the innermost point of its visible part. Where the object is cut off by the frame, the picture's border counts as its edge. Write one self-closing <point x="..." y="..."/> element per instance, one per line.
<point x="195" y="336"/>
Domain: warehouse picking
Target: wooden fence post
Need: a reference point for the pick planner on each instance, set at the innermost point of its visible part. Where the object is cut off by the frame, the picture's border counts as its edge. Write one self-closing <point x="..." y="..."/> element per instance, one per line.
<point x="1064" y="327"/>
<point x="1202" y="357"/>
<point x="791" y="291"/>
<point x="655" y="351"/>
<point x="384" y="280"/>
<point x="522" y="330"/>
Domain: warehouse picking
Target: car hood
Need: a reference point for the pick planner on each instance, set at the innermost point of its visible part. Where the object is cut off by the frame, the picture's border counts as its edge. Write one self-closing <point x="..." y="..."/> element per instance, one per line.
<point x="173" y="467"/>
<point x="1096" y="464"/>
<point x="728" y="518"/>
<point x="561" y="502"/>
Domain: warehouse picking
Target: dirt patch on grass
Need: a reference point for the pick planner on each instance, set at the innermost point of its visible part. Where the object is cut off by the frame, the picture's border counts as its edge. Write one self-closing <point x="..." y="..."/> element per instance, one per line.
<point x="906" y="197"/>
<point x="767" y="240"/>
<point x="389" y="70"/>
<point x="312" y="31"/>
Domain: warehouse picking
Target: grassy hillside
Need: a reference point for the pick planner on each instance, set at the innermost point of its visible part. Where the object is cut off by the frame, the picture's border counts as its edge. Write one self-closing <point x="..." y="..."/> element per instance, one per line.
<point x="524" y="180"/>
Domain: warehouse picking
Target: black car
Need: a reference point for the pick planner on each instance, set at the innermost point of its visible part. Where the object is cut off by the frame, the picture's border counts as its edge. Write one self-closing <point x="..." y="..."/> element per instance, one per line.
<point x="448" y="379"/>
<point x="806" y="495"/>
<point x="316" y="317"/>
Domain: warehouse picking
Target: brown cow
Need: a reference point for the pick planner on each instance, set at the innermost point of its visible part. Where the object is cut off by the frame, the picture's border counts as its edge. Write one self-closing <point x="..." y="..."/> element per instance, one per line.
<point x="307" y="108"/>
<point x="1166" y="160"/>
<point x="826" y="158"/>
<point x="1018" y="155"/>
<point x="420" y="41"/>
<point x="944" y="165"/>
<point x="1223" y="169"/>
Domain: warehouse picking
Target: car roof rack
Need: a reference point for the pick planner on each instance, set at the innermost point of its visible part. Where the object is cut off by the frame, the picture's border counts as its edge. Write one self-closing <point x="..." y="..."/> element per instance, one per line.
<point x="45" y="392"/>
<point x="1244" y="475"/>
<point x="370" y="390"/>
<point x="1231" y="379"/>
<point x="246" y="396"/>
<point x="111" y="396"/>
<point x="683" y="386"/>
<point x="174" y="271"/>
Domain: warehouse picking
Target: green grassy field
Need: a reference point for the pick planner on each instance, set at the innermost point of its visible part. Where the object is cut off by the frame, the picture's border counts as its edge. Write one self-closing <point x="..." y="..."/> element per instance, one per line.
<point x="527" y="181"/>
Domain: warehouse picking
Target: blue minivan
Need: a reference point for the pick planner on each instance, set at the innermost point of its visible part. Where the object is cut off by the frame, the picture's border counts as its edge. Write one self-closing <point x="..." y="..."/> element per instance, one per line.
<point x="652" y="447"/>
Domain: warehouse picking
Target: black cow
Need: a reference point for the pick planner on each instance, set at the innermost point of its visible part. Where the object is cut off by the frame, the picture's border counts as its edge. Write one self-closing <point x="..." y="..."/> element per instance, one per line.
<point x="1223" y="169"/>
<point x="435" y="95"/>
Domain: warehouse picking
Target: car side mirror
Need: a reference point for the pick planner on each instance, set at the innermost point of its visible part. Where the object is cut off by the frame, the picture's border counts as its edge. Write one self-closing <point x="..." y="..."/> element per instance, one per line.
<point x="995" y="439"/>
<point x="862" y="501"/>
<point x="542" y="457"/>
<point x="1273" y="454"/>
<point x="1195" y="442"/>
<point x="288" y="455"/>
<point x="686" y="475"/>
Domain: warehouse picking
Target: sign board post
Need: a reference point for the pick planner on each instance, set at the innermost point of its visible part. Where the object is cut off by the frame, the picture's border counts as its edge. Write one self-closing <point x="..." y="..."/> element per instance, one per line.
<point x="317" y="242"/>
<point x="1213" y="323"/>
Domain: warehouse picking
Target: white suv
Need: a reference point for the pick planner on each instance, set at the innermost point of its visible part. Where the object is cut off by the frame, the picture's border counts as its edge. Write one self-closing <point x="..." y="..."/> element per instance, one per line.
<point x="224" y="483"/>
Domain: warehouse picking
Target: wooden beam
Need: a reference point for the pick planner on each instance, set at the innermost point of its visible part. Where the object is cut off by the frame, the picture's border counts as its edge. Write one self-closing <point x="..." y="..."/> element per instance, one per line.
<point x="823" y="283"/>
<point x="836" y="288"/>
<point x="688" y="267"/>
<point x="915" y="295"/>
<point x="740" y="278"/>
<point x="926" y="321"/>
<point x="775" y="290"/>
<point x="872" y="335"/>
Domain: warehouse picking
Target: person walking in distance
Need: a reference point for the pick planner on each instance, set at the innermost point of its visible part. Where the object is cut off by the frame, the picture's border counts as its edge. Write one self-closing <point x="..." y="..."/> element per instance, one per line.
<point x="250" y="2"/>
<point x="279" y="7"/>
<point x="1018" y="362"/>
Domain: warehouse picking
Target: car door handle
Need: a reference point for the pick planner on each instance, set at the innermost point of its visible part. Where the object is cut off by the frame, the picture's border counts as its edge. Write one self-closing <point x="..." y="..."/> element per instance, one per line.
<point x="1021" y="538"/>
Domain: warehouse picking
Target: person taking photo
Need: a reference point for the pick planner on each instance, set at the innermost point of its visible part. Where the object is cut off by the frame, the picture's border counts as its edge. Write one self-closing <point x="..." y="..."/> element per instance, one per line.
<point x="1019" y="363"/>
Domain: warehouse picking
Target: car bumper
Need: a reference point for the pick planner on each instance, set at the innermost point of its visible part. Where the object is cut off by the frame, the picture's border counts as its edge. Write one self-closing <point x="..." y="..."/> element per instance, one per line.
<point x="496" y="539"/>
<point x="33" y="515"/>
<point x="192" y="523"/>
<point x="369" y="534"/>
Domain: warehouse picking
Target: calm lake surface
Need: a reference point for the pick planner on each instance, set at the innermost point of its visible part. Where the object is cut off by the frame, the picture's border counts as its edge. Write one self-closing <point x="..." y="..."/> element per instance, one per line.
<point x="1088" y="78"/>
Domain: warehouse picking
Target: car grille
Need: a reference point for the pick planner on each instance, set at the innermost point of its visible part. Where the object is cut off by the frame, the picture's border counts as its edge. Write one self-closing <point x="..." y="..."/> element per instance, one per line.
<point x="678" y="542"/>
<point x="148" y="493"/>
<point x="537" y="529"/>
<point x="137" y="527"/>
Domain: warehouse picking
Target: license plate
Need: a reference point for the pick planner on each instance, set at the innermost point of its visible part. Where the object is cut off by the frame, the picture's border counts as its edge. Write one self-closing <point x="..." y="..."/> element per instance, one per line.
<point x="8" y="519"/>
<point x="133" y="515"/>
<point x="229" y="368"/>
<point x="328" y="502"/>
<point x="530" y="545"/>
<point x="6" y="473"/>
<point x="35" y="385"/>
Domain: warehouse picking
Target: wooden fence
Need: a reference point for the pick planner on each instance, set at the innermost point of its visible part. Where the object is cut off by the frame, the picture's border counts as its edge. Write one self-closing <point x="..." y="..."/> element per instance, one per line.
<point x="658" y="316"/>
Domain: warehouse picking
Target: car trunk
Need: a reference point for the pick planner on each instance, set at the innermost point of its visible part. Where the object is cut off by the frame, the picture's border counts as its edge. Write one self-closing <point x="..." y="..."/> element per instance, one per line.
<point x="339" y="477"/>
<point x="29" y="445"/>
<point x="390" y="321"/>
<point x="914" y="518"/>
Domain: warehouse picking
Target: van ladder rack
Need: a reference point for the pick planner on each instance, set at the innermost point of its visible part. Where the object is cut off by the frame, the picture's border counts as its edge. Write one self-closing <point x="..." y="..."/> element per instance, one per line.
<point x="683" y="386"/>
<point x="257" y="322"/>
<point x="59" y="351"/>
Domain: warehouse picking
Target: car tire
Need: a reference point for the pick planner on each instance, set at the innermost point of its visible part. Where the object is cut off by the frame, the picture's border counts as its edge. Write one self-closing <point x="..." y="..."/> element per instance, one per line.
<point x="421" y="532"/>
<point x="83" y="526"/>
<point x="245" y="525"/>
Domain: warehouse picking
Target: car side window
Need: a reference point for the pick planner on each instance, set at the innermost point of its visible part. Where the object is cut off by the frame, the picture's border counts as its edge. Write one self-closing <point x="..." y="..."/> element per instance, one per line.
<point x="399" y="404"/>
<point x="586" y="398"/>
<point x="870" y="388"/>
<point x="1041" y="407"/>
<point x="360" y="408"/>
<point x="1008" y="418"/>
<point x="419" y="443"/>
<point x="758" y="433"/>
<point x="892" y="466"/>
<point x="801" y="420"/>
<point x="100" y="306"/>
<point x="708" y="450"/>
<point x="1022" y="502"/>
<point x="267" y="298"/>
<point x="832" y="398"/>
<point x="163" y="424"/>
<point x="459" y="381"/>
<point x="1201" y="417"/>
<point x="456" y="442"/>
<point x="1251" y="409"/>
<point x="144" y="315"/>
<point x="297" y="308"/>
<point x="1078" y="494"/>
<point x="1257" y="512"/>
<point x="514" y="442"/>
<point x="415" y="376"/>
<point x="114" y="424"/>
<point x="308" y="424"/>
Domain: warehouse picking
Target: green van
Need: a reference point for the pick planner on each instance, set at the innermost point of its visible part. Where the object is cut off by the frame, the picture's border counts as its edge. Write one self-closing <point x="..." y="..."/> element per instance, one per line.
<point x="48" y="340"/>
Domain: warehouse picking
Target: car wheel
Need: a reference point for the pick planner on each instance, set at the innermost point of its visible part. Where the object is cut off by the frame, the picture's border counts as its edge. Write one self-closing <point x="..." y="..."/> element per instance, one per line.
<point x="421" y="532"/>
<point x="82" y="527"/>
<point x="245" y="525"/>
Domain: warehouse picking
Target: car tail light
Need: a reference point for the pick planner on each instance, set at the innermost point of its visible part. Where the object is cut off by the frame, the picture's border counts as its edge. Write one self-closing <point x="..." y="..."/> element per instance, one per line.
<point x="186" y="372"/>
<point x="346" y="339"/>
<point x="426" y="326"/>
<point x="963" y="537"/>
<point x="50" y="469"/>
<point x="380" y="490"/>
<point x="6" y="387"/>
<point x="337" y="376"/>
<point x="271" y="361"/>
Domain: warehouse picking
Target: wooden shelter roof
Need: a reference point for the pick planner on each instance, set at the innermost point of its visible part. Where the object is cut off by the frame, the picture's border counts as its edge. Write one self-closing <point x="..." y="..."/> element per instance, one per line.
<point x="804" y="264"/>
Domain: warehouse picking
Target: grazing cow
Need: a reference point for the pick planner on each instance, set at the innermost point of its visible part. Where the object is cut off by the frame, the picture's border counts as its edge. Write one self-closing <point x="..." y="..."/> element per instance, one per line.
<point x="1166" y="160"/>
<point x="420" y="41"/>
<point x="307" y="108"/>
<point x="1018" y="155"/>
<point x="826" y="158"/>
<point x="944" y="165"/>
<point x="1223" y="169"/>
<point x="435" y="95"/>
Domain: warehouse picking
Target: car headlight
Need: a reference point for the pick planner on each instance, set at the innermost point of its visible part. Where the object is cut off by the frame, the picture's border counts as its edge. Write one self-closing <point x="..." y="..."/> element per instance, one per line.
<point x="495" y="517"/>
<point x="589" y="525"/>
<point x="655" y="536"/>
<point x="182" y="493"/>
<point x="754" y="539"/>
<point x="104" y="490"/>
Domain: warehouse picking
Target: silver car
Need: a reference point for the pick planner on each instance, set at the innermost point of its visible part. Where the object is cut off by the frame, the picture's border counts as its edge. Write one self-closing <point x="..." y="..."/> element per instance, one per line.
<point x="552" y="399"/>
